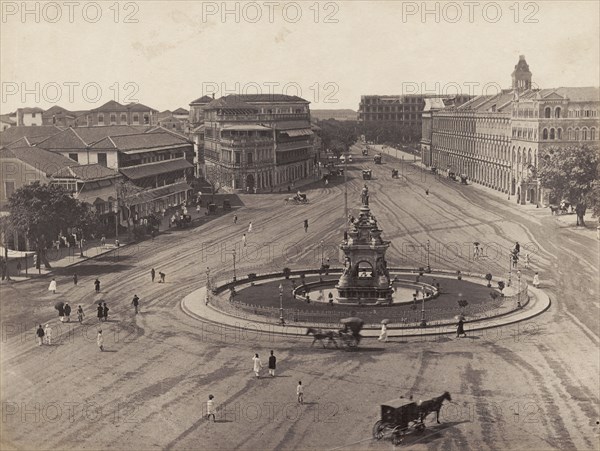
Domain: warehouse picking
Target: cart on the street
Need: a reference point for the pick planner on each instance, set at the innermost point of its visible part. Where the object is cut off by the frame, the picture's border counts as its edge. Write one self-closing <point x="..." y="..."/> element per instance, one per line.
<point x="366" y="174"/>
<point x="211" y="209"/>
<point x="394" y="173"/>
<point x="377" y="159"/>
<point x="397" y="418"/>
<point x="350" y="333"/>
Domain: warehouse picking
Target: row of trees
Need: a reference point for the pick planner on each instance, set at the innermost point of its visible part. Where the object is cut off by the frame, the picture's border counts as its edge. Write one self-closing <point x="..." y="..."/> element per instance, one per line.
<point x="41" y="212"/>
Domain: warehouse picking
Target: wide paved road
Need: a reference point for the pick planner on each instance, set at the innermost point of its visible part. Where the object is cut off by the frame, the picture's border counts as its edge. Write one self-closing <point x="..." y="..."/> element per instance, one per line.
<point x="533" y="385"/>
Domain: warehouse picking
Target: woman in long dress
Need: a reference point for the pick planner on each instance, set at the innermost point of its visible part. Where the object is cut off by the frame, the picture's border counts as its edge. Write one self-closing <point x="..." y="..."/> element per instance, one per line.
<point x="383" y="335"/>
<point x="52" y="286"/>
<point x="257" y="365"/>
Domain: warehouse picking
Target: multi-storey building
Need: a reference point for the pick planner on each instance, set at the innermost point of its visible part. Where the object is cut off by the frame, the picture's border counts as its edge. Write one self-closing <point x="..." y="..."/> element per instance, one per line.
<point x="497" y="140"/>
<point x="402" y="111"/>
<point x="257" y="141"/>
<point x="29" y="116"/>
<point x="113" y="113"/>
<point x="196" y="115"/>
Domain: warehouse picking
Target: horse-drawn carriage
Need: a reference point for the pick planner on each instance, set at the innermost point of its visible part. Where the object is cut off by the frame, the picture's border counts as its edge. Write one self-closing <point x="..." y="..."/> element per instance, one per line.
<point x="336" y="171"/>
<point x="377" y="159"/>
<point x="365" y="152"/>
<point x="211" y="209"/>
<point x="399" y="416"/>
<point x="366" y="174"/>
<point x="394" y="173"/>
<point x="299" y="198"/>
<point x="452" y="176"/>
<point x="464" y="179"/>
<point x="560" y="209"/>
<point x="433" y="170"/>
<point x="349" y="333"/>
<point x="183" y="221"/>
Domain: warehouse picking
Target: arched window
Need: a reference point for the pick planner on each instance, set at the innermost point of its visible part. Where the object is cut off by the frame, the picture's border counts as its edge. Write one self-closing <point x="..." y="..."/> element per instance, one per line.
<point x="113" y="119"/>
<point x="545" y="134"/>
<point x="593" y="134"/>
<point x="547" y="112"/>
<point x="123" y="118"/>
<point x="552" y="134"/>
<point x="576" y="134"/>
<point x="557" y="112"/>
<point x="584" y="133"/>
<point x="559" y="133"/>
<point x="570" y="134"/>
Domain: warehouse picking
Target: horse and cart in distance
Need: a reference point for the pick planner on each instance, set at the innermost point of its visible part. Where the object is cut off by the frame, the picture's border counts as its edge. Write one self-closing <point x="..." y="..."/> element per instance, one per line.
<point x="299" y="198"/>
<point x="349" y="334"/>
<point x="377" y="159"/>
<point x="398" y="417"/>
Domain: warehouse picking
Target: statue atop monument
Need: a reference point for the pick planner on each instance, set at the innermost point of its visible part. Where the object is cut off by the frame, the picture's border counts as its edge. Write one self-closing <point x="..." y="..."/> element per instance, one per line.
<point x="365" y="195"/>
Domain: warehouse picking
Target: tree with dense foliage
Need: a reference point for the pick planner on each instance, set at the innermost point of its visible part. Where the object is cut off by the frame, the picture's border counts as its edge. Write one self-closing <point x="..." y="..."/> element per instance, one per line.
<point x="338" y="136"/>
<point x="571" y="173"/>
<point x="42" y="212"/>
<point x="127" y="196"/>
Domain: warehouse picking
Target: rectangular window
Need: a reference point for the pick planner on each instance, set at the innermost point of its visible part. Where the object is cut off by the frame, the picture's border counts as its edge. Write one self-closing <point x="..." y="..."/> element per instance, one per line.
<point x="123" y="119"/>
<point x="238" y="157"/>
<point x="146" y="119"/>
<point x="9" y="188"/>
<point x="249" y="158"/>
<point x="113" y="119"/>
<point x="74" y="157"/>
<point x="102" y="159"/>
<point x="136" y="118"/>
<point x="100" y="119"/>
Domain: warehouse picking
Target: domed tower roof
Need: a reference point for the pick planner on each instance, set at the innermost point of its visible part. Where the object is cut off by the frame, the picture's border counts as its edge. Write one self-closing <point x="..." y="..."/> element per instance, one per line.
<point x="521" y="76"/>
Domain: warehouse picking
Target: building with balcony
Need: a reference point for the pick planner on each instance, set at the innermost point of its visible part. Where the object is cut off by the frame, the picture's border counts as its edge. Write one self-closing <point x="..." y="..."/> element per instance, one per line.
<point x="497" y="140"/>
<point x="113" y="113"/>
<point x="257" y="142"/>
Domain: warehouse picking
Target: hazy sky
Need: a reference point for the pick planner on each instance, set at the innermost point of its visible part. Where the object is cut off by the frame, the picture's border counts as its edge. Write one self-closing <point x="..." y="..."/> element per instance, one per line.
<point x="165" y="54"/>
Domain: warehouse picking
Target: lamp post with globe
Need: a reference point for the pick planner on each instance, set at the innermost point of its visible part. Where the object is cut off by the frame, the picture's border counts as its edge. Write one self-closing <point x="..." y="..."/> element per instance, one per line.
<point x="281" y="320"/>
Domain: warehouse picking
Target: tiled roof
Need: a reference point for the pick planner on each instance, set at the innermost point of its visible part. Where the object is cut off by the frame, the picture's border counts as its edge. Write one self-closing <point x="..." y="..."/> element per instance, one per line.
<point x="87" y="172"/>
<point x="110" y="106"/>
<point x="7" y="118"/>
<point x="81" y="137"/>
<point x="161" y="129"/>
<point x="23" y="142"/>
<point x="139" y="107"/>
<point x="55" y="110"/>
<point x="157" y="193"/>
<point x="231" y="103"/>
<point x="202" y="100"/>
<point x="31" y="110"/>
<point x="34" y="133"/>
<point x="181" y="111"/>
<point x="265" y="98"/>
<point x="141" y="141"/>
<point x="580" y="94"/>
<point x="43" y="160"/>
<point x="156" y="168"/>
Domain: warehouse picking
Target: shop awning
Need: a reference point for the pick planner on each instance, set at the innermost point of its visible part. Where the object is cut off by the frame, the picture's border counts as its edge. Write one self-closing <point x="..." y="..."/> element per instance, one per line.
<point x="298" y="132"/>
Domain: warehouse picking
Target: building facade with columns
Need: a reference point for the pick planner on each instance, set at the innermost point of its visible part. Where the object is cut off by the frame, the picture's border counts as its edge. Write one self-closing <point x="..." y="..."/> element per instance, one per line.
<point x="257" y="142"/>
<point x="497" y="140"/>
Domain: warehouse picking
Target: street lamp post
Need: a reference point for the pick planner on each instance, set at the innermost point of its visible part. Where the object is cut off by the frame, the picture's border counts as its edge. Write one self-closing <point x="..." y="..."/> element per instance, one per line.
<point x="322" y="261"/>
<point x="423" y="322"/>
<point x="234" y="278"/>
<point x="207" y="284"/>
<point x="519" y="289"/>
<point x="509" y="269"/>
<point x="428" y="265"/>
<point x="281" y="305"/>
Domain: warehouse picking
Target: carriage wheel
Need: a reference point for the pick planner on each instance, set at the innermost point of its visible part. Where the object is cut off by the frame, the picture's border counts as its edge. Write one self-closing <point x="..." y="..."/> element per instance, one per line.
<point x="420" y="428"/>
<point x="378" y="430"/>
<point x="398" y="437"/>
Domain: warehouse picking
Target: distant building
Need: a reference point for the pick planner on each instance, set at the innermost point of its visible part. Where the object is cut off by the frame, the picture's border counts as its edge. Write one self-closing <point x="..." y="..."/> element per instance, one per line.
<point x="401" y="111"/>
<point x="29" y="116"/>
<point x="64" y="118"/>
<point x="338" y="115"/>
<point x="257" y="141"/>
<point x="182" y="114"/>
<point x="196" y="116"/>
<point x="113" y="113"/>
<point x="6" y="121"/>
<point x="496" y="140"/>
<point x="27" y="135"/>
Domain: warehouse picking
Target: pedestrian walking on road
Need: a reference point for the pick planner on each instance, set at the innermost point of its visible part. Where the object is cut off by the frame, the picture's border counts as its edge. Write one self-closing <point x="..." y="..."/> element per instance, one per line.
<point x="80" y="314"/>
<point x="75" y="279"/>
<point x="103" y="241"/>
<point x="100" y="312"/>
<point x="100" y="340"/>
<point x="135" y="302"/>
<point x="527" y="260"/>
<point x="300" y="392"/>
<point x="52" y="286"/>
<point x="257" y="365"/>
<point x="244" y="239"/>
<point x="250" y="227"/>
<point x="272" y="364"/>
<point x="162" y="277"/>
<point x="152" y="274"/>
<point x="97" y="285"/>
<point x="536" y="280"/>
<point x="427" y="192"/>
<point x="305" y="225"/>
<point x="67" y="312"/>
<point x="383" y="334"/>
<point x="210" y="408"/>
<point x="40" y="335"/>
<point x="235" y="219"/>
<point x="105" y="312"/>
<point x="460" y="328"/>
<point x="48" y="334"/>
<point x="517" y="248"/>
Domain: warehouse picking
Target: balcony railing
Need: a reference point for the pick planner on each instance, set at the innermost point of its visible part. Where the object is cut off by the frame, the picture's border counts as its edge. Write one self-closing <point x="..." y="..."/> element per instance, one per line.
<point x="293" y="145"/>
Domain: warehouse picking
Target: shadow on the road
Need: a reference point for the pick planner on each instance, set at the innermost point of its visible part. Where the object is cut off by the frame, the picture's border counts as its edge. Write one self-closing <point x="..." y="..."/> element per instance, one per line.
<point x="109" y="350"/>
<point x="92" y="269"/>
<point x="310" y="403"/>
<point x="430" y="434"/>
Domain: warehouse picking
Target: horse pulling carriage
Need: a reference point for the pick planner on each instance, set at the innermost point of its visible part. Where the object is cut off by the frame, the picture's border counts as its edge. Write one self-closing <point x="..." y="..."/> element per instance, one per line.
<point x="183" y="221"/>
<point x="394" y="173"/>
<point x="398" y="417"/>
<point x="366" y="174"/>
<point x="299" y="198"/>
<point x="377" y="159"/>
<point x="349" y="334"/>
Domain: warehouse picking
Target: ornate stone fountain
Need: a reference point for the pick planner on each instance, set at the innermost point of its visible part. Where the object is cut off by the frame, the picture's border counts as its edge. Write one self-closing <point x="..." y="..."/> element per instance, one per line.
<point x="365" y="279"/>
